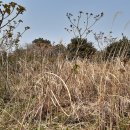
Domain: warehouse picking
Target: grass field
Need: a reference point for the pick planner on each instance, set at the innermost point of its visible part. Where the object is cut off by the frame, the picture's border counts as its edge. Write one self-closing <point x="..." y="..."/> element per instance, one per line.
<point x="61" y="95"/>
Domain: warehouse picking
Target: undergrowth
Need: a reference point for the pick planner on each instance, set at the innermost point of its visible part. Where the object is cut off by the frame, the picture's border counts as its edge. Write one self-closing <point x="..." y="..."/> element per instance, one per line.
<point x="59" y="94"/>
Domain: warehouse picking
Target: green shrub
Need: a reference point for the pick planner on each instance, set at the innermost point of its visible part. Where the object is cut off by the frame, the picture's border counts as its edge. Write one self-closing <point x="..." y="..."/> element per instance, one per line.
<point x="80" y="48"/>
<point x="119" y="48"/>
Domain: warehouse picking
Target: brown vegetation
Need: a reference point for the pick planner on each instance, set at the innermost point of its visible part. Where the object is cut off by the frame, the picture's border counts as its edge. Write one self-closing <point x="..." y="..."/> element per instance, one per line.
<point x="46" y="94"/>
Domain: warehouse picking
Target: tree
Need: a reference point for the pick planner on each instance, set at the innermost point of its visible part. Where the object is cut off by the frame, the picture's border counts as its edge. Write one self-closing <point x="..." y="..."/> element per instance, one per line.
<point x="119" y="48"/>
<point x="85" y="48"/>
<point x="41" y="43"/>
<point x="8" y="41"/>
<point x="8" y="14"/>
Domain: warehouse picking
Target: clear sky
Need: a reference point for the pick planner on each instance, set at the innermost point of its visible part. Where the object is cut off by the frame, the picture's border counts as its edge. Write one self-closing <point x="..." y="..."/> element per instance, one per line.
<point x="47" y="18"/>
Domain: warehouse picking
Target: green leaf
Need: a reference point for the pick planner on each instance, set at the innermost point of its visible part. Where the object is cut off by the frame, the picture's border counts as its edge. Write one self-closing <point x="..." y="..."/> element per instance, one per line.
<point x="13" y="4"/>
<point x="20" y="9"/>
<point x="10" y="35"/>
<point x="8" y="11"/>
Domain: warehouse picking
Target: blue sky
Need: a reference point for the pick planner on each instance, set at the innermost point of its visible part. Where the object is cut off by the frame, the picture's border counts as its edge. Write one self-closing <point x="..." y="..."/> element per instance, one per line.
<point x="47" y="18"/>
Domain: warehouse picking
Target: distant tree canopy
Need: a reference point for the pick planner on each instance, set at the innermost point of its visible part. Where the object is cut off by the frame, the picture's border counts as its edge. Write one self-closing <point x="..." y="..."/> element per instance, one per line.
<point x="119" y="48"/>
<point x="80" y="48"/>
<point x="40" y="42"/>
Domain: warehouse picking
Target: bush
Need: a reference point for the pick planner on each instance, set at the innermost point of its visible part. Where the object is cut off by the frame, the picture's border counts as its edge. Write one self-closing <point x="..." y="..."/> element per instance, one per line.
<point x="58" y="50"/>
<point x="80" y="48"/>
<point x="41" y="43"/>
<point x="119" y="48"/>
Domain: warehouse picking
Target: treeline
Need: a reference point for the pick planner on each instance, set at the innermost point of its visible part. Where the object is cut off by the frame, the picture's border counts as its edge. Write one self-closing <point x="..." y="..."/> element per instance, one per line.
<point x="77" y="48"/>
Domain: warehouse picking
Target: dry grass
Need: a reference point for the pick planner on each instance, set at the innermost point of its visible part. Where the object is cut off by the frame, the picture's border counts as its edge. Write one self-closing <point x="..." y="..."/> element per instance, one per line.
<point x="56" y="95"/>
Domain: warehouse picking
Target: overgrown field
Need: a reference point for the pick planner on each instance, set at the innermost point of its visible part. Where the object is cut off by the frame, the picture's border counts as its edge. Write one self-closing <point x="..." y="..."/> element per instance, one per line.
<point x="48" y="86"/>
<point x="64" y="95"/>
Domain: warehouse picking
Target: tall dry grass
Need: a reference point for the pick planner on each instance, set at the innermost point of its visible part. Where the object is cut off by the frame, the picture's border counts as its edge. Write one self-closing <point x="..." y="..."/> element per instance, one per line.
<point x="54" y="94"/>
